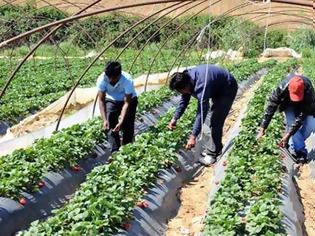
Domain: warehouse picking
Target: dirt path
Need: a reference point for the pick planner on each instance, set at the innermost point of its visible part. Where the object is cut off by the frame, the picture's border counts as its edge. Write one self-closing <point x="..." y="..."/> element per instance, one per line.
<point x="306" y="184"/>
<point x="194" y="195"/>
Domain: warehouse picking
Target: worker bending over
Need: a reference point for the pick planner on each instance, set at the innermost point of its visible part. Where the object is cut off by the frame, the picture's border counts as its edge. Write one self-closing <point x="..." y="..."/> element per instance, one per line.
<point x="295" y="96"/>
<point x="205" y="82"/>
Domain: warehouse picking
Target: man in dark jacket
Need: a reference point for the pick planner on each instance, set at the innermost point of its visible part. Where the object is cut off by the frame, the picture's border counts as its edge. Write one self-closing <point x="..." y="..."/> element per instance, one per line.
<point x="296" y="97"/>
<point x="205" y="82"/>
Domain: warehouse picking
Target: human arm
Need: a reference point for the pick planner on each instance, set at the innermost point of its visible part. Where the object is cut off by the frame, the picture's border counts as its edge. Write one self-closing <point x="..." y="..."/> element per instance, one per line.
<point x="203" y="107"/>
<point x="124" y="110"/>
<point x="102" y="107"/>
<point x="273" y="103"/>
<point x="183" y="103"/>
<point x="293" y="129"/>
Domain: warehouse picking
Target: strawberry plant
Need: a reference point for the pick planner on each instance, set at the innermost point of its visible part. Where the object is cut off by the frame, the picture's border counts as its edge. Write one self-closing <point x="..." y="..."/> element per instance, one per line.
<point x="250" y="188"/>
<point x="105" y="201"/>
<point x="41" y="82"/>
<point x="308" y="69"/>
<point x="22" y="169"/>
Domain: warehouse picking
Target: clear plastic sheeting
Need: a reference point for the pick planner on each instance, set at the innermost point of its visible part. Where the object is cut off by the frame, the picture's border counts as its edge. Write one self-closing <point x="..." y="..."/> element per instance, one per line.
<point x="281" y="52"/>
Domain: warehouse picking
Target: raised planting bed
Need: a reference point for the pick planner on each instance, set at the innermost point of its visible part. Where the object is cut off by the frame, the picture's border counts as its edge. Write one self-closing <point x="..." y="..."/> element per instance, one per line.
<point x="248" y="199"/>
<point x="161" y="203"/>
<point x="22" y="169"/>
<point x="56" y="188"/>
<point x="105" y="201"/>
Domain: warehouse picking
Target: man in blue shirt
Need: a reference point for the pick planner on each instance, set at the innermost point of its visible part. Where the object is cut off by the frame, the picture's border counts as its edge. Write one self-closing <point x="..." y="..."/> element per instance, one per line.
<point x="205" y="82"/>
<point x="118" y="103"/>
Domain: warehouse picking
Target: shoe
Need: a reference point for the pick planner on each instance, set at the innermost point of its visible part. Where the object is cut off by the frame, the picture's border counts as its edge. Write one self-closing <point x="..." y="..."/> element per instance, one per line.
<point x="301" y="161"/>
<point x="301" y="157"/>
<point x="207" y="160"/>
<point x="207" y="153"/>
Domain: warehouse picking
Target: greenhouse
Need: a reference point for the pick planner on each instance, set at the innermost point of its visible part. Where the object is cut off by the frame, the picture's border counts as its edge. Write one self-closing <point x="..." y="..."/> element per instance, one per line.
<point x="158" y="117"/>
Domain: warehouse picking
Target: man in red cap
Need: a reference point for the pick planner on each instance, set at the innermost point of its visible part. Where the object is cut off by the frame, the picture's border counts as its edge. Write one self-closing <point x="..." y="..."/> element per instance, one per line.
<point x="296" y="97"/>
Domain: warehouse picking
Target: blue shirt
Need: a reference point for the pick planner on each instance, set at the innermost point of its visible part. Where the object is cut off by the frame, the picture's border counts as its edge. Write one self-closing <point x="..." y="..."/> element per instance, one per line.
<point x="218" y="82"/>
<point x="116" y="92"/>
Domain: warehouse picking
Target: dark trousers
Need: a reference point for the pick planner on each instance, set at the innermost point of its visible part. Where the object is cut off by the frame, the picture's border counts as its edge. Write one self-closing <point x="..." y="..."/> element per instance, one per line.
<point x="113" y="110"/>
<point x="220" y="108"/>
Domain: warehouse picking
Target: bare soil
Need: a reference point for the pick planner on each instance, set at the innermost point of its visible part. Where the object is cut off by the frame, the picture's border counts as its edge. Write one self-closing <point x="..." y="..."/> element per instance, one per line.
<point x="194" y="195"/>
<point x="306" y="185"/>
<point x="42" y="120"/>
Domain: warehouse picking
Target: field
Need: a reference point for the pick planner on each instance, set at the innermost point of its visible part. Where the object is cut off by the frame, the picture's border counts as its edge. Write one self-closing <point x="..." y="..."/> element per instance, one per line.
<point x="68" y="182"/>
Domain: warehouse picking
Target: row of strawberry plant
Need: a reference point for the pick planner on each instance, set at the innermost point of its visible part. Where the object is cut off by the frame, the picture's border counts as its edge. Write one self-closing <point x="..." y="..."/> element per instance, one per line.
<point x="247" y="202"/>
<point x="107" y="198"/>
<point x="308" y="69"/>
<point x="23" y="169"/>
<point x="245" y="68"/>
<point x="41" y="82"/>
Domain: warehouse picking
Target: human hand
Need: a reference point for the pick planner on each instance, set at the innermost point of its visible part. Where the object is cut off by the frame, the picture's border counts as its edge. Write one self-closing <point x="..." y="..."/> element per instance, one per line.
<point x="105" y="125"/>
<point x="284" y="141"/>
<point x="172" y="124"/>
<point x="117" y="127"/>
<point x="260" y="134"/>
<point x="191" y="142"/>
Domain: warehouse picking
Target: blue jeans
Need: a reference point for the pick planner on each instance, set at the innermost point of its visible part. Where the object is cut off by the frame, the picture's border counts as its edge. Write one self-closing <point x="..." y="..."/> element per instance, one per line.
<point x="297" y="141"/>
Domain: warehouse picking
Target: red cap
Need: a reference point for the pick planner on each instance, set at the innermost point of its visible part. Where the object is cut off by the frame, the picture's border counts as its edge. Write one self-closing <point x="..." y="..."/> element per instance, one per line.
<point x="296" y="89"/>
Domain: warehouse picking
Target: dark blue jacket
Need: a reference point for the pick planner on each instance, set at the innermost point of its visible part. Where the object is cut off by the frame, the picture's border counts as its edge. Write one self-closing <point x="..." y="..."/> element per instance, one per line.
<point x="218" y="81"/>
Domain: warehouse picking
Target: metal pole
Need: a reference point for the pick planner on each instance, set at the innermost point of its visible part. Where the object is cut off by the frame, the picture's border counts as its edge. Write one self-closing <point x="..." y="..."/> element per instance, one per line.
<point x="81" y="16"/>
<point x="102" y="52"/>
<point x="33" y="50"/>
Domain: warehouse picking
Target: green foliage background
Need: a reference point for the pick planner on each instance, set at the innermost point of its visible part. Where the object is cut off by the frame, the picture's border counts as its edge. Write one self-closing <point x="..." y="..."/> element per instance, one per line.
<point x="97" y="31"/>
